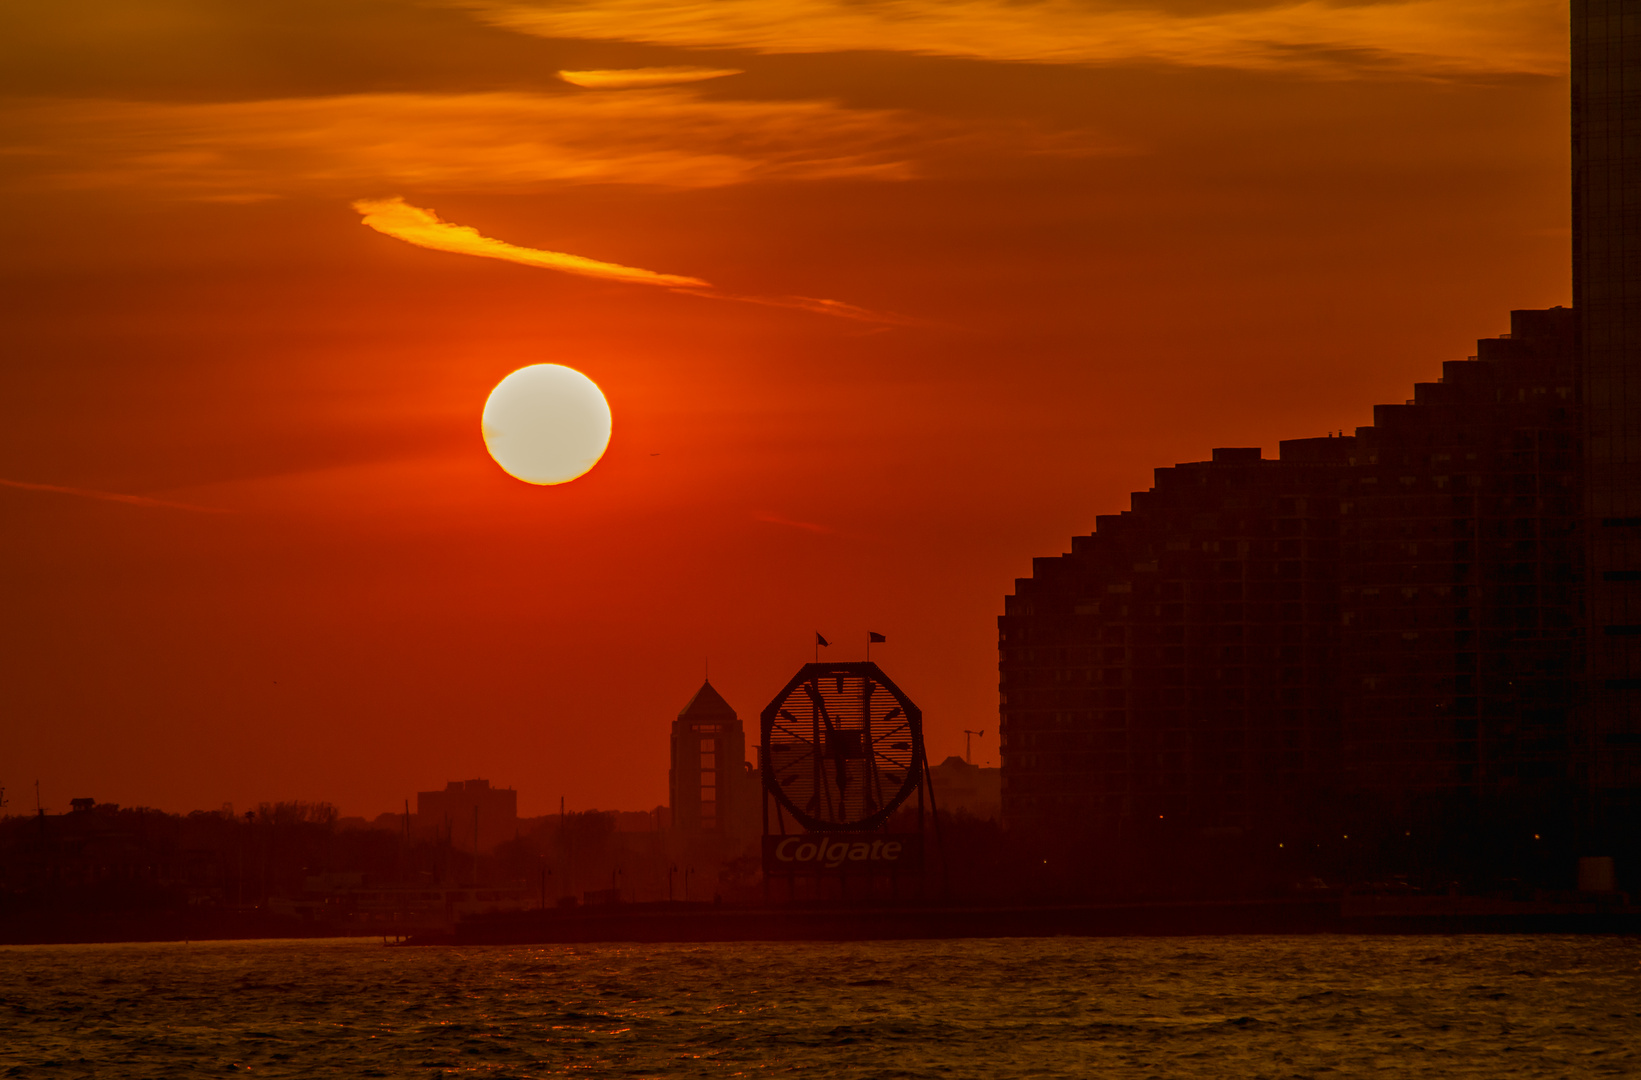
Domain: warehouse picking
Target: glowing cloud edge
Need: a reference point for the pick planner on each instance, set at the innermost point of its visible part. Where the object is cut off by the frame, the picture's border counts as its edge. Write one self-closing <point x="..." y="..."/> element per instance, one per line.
<point x="396" y="218"/>
<point x="414" y="225"/>
<point x="624" y="78"/>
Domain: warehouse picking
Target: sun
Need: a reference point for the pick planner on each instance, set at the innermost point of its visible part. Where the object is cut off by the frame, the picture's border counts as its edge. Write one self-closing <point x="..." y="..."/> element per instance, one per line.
<point x="546" y="424"/>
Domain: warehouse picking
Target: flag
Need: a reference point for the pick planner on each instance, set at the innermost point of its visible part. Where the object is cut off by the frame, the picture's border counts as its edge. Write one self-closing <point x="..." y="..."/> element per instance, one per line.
<point x="874" y="637"/>
<point x="821" y="641"/>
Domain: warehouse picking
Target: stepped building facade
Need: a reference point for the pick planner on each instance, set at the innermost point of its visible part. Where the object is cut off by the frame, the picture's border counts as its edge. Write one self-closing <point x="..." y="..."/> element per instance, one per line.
<point x="1435" y="619"/>
<point x="1393" y="613"/>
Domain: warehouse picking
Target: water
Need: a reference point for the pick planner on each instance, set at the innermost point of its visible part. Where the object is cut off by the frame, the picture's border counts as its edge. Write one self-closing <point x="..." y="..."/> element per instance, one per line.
<point x="1243" y="1007"/>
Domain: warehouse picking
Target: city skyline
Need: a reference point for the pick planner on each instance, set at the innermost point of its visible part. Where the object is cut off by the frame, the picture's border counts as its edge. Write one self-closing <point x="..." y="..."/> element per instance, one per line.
<point x="256" y="549"/>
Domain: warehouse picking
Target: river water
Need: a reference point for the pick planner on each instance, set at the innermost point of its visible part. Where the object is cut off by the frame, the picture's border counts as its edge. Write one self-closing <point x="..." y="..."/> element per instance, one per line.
<point x="1244" y="1007"/>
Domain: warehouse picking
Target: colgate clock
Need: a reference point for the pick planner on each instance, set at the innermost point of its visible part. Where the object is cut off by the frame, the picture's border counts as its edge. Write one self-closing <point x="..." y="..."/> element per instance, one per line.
<point x="842" y="747"/>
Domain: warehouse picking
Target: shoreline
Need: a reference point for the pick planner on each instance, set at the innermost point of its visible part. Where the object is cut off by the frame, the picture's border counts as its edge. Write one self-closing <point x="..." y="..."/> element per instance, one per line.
<point x="687" y="923"/>
<point x="708" y="923"/>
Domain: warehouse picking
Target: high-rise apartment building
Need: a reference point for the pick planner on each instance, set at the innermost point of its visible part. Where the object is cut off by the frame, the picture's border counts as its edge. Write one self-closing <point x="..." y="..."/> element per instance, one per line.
<point x="1606" y="78"/>
<point x="1460" y="565"/>
<point x="1379" y="627"/>
<point x="1180" y="664"/>
<point x="1433" y="624"/>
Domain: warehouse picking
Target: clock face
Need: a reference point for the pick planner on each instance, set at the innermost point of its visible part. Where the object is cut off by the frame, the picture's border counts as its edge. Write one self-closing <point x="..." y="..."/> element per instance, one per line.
<point x="843" y="746"/>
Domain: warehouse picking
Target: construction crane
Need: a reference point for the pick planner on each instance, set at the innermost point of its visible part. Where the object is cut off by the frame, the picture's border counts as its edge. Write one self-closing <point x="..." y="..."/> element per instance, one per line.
<point x="968" y="749"/>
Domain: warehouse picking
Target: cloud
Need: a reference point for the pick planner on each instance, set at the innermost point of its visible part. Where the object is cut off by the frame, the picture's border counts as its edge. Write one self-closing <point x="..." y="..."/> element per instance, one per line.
<point x="836" y="308"/>
<point x="627" y="78"/>
<point x="396" y="218"/>
<point x="512" y="142"/>
<point x="112" y="496"/>
<point x="777" y="519"/>
<point x="1436" y="37"/>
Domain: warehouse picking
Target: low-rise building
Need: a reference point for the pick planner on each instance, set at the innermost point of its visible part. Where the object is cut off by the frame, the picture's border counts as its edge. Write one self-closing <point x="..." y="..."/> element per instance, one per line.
<point x="962" y="788"/>
<point x="469" y="810"/>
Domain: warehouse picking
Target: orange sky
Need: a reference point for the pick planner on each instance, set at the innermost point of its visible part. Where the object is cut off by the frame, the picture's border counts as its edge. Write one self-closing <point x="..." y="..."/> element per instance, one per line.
<point x="1067" y="242"/>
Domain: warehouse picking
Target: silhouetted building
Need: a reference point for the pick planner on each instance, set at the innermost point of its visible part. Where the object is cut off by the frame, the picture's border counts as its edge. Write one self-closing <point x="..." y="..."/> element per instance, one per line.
<point x="1461" y="564"/>
<point x="960" y="787"/>
<point x="1431" y="628"/>
<point x="1181" y="662"/>
<point x="1381" y="627"/>
<point x="1606" y="78"/>
<point x="712" y="790"/>
<point x="464" y="805"/>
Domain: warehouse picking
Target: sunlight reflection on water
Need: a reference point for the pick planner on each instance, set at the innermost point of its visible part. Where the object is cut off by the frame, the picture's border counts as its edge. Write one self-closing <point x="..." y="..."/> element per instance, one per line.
<point x="1511" y="1006"/>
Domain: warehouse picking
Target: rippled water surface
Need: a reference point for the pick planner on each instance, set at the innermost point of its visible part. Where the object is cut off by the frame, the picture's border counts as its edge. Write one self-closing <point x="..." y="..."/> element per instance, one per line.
<point x="1076" y="1007"/>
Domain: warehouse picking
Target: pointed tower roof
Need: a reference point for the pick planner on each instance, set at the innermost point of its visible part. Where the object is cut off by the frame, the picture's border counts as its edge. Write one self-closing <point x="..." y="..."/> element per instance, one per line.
<point x="707" y="704"/>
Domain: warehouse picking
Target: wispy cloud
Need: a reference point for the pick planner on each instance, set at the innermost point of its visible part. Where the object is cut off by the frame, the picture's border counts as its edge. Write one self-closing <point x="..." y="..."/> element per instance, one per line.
<point x="777" y="519"/>
<point x="113" y="496"/>
<point x="836" y="308"/>
<point x="627" y="78"/>
<point x="491" y="142"/>
<point x="398" y="219"/>
<point x="1436" y="37"/>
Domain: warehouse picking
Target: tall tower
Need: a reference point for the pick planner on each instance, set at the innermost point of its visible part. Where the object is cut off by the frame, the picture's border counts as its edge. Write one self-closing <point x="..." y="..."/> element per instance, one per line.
<point x="708" y="779"/>
<point x="1606" y="87"/>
